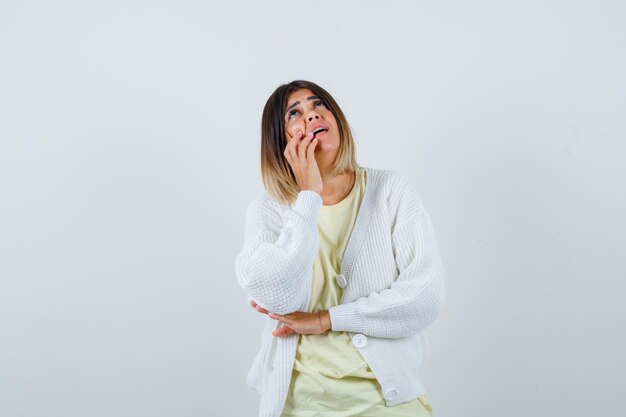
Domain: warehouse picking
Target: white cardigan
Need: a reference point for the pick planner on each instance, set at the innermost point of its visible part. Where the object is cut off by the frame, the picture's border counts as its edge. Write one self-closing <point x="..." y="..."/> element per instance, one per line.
<point x="394" y="291"/>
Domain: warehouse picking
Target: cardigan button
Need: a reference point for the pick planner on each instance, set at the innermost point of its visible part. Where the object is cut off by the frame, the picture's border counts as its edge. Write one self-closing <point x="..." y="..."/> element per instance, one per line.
<point x="341" y="281"/>
<point x="359" y="340"/>
<point x="391" y="394"/>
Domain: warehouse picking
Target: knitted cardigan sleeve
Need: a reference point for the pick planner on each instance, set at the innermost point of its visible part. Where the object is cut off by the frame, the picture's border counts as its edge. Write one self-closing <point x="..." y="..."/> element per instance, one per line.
<point x="416" y="298"/>
<point x="277" y="250"/>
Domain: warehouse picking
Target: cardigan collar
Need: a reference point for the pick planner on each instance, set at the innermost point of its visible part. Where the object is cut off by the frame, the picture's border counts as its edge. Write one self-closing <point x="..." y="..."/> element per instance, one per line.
<point x="361" y="225"/>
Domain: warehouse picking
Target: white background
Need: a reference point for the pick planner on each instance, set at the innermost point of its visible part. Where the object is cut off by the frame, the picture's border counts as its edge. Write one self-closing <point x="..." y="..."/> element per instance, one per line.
<point x="130" y="140"/>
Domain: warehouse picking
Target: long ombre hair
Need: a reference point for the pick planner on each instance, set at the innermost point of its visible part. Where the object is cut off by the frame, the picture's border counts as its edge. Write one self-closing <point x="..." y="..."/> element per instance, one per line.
<point x="278" y="177"/>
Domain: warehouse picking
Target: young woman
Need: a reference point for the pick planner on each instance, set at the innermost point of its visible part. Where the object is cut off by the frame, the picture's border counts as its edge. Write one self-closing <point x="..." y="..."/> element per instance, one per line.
<point x="343" y="261"/>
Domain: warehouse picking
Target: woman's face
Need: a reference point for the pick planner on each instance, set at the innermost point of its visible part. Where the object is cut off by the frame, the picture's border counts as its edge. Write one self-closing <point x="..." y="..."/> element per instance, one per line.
<point x="306" y="112"/>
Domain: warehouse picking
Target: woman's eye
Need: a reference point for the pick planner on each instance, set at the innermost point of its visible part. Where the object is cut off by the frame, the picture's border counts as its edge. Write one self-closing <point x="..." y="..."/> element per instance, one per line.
<point x="291" y="113"/>
<point x="319" y="103"/>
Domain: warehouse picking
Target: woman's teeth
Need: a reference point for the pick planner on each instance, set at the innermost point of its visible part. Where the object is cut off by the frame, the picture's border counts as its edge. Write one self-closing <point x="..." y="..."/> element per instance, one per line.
<point x="318" y="131"/>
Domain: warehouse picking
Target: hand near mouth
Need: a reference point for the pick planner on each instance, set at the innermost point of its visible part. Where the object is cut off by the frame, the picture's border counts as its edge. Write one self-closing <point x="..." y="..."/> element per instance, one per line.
<point x="300" y="153"/>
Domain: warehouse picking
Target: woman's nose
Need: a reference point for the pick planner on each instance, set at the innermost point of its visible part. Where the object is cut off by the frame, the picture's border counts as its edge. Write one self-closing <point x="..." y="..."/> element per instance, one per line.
<point x="313" y="115"/>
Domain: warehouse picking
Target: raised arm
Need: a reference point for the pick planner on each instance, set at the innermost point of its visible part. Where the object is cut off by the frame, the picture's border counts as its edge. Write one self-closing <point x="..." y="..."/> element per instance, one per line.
<point x="416" y="298"/>
<point x="273" y="262"/>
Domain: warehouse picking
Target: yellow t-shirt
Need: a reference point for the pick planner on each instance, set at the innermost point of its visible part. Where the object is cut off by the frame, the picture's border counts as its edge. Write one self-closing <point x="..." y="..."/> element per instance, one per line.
<point x="330" y="378"/>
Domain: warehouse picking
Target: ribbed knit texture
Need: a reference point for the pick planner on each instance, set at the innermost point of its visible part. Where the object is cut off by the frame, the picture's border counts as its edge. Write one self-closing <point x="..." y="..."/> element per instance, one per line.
<point x="395" y="284"/>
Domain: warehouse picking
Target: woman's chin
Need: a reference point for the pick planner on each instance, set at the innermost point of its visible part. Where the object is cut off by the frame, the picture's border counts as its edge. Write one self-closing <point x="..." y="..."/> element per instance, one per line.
<point x="324" y="144"/>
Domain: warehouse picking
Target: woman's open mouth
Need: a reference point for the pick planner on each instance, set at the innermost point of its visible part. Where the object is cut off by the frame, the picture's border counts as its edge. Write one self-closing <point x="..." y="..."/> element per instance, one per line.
<point x="320" y="131"/>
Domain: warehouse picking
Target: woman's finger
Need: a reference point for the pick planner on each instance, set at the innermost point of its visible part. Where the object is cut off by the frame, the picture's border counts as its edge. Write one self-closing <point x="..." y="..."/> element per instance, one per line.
<point x="283" y="331"/>
<point x="292" y="146"/>
<point x="258" y="307"/>
<point x="278" y="317"/>
<point x="302" y="147"/>
<point x="311" y="150"/>
<point x="288" y="156"/>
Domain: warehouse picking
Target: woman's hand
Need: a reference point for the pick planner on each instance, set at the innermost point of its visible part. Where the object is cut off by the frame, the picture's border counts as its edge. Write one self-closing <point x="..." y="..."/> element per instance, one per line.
<point x="301" y="156"/>
<point x="298" y="322"/>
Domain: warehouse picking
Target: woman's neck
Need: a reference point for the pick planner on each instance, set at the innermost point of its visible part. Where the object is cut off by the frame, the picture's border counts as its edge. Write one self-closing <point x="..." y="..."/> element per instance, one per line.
<point x="336" y="187"/>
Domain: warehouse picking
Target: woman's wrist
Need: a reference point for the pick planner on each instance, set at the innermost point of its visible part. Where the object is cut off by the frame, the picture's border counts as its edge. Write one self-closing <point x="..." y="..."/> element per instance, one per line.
<point x="325" y="323"/>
